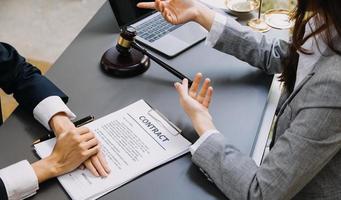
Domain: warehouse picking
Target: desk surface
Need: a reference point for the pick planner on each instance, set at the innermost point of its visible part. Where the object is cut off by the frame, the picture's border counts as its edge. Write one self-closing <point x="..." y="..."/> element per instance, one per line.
<point x="240" y="97"/>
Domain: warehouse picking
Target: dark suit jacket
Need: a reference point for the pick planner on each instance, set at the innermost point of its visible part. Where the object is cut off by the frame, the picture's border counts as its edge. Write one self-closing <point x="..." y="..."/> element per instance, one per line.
<point x="26" y="83"/>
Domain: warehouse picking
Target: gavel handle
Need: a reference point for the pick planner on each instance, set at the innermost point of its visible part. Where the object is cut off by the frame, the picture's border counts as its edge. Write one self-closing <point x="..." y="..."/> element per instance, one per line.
<point x="162" y="64"/>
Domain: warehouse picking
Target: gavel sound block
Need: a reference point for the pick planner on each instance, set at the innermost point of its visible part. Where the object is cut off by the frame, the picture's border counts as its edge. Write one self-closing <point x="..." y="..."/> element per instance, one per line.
<point x="122" y="60"/>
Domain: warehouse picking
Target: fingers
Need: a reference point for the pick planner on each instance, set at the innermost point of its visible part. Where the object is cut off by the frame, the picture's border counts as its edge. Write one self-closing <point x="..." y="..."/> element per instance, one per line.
<point x="93" y="151"/>
<point x="181" y="89"/>
<point x="91" y="143"/>
<point x="103" y="161"/>
<point x="205" y="95"/>
<point x="164" y="16"/>
<point x="195" y="85"/>
<point x="87" y="136"/>
<point x="169" y="16"/>
<point x="82" y="130"/>
<point x="185" y="85"/>
<point x="159" y="6"/>
<point x="165" y="13"/>
<point x="208" y="97"/>
<point x="88" y="164"/>
<point x="145" y="5"/>
<point x="98" y="165"/>
<point x="203" y="91"/>
<point x="91" y="147"/>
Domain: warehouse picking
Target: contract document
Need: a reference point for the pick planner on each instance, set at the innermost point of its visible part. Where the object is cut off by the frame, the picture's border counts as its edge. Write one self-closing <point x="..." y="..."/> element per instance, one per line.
<point x="134" y="140"/>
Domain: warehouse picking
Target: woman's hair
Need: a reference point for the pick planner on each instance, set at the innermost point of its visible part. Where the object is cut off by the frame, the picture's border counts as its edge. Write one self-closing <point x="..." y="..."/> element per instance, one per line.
<point x="327" y="16"/>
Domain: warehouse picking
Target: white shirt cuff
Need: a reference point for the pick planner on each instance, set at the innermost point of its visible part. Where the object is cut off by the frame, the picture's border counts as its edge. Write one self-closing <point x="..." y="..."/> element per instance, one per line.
<point x="202" y="139"/>
<point x="20" y="180"/>
<point x="216" y="29"/>
<point x="48" y="107"/>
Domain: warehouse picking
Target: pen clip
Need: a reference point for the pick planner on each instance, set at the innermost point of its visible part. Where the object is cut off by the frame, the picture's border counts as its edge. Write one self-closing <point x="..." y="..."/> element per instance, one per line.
<point x="155" y="114"/>
<point x="46" y="137"/>
<point x="84" y="121"/>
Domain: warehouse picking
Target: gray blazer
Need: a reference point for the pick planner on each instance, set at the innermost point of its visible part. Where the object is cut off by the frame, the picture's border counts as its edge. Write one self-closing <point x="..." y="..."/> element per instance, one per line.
<point x="305" y="161"/>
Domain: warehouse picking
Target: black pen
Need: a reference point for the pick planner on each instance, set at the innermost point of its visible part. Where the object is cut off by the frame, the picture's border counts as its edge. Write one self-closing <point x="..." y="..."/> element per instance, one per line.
<point x="84" y="121"/>
<point x="77" y="124"/>
<point x="44" y="138"/>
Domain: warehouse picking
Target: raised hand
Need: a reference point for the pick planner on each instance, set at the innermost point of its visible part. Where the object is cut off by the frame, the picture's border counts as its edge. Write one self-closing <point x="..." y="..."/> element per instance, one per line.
<point x="196" y="103"/>
<point x="182" y="11"/>
<point x="174" y="11"/>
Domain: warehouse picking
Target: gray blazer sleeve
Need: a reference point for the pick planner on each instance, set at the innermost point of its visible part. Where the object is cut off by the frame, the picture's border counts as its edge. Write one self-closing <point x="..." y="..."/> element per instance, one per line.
<point x="257" y="49"/>
<point x="311" y="141"/>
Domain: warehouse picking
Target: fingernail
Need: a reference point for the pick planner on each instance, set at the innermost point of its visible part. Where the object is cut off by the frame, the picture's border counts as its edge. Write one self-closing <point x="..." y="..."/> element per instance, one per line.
<point x="108" y="169"/>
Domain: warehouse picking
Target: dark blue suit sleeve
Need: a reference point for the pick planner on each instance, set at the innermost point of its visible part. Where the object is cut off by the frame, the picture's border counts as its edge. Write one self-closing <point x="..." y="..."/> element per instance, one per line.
<point x="3" y="191"/>
<point x="24" y="80"/>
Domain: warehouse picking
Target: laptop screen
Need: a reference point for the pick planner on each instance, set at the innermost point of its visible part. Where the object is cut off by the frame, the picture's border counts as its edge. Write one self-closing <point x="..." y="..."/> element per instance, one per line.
<point x="126" y="11"/>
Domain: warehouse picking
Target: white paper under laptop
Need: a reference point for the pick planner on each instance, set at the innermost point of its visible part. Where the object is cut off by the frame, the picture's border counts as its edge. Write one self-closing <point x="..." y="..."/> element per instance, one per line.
<point x="134" y="140"/>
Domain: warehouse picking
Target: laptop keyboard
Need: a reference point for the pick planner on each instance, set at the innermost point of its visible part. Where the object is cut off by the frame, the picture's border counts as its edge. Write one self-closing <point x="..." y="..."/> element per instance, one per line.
<point x="155" y="28"/>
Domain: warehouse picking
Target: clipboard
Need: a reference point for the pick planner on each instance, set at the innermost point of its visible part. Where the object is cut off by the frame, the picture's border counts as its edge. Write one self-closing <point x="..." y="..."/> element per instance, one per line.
<point x="162" y="120"/>
<point x="131" y="150"/>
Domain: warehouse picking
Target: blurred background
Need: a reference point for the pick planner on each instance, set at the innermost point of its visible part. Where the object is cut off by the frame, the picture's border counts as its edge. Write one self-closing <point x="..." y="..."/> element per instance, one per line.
<point x="42" y="29"/>
<point x="278" y="4"/>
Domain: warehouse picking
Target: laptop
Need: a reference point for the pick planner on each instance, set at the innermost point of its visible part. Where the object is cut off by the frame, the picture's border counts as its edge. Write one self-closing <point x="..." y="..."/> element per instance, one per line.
<point x="155" y="32"/>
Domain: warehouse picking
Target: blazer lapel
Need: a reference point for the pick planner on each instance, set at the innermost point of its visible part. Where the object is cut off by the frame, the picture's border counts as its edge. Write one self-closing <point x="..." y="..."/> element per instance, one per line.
<point x="286" y="97"/>
<point x="294" y="93"/>
<point x="287" y="100"/>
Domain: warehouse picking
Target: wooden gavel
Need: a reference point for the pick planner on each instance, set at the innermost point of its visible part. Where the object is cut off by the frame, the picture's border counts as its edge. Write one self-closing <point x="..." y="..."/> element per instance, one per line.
<point x="126" y="41"/>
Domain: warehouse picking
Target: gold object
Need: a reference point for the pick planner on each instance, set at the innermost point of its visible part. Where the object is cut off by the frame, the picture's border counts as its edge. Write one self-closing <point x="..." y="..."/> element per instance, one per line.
<point x="279" y="19"/>
<point x="258" y="25"/>
<point x="123" y="42"/>
<point x="242" y="6"/>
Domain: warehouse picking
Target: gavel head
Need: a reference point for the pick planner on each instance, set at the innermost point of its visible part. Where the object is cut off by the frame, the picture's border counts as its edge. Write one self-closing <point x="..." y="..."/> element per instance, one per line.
<point x="125" y="40"/>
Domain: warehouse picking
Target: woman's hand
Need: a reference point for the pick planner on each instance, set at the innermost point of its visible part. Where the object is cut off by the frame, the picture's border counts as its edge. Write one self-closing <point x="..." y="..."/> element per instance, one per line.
<point x="196" y="103"/>
<point x="182" y="11"/>
<point x="70" y="151"/>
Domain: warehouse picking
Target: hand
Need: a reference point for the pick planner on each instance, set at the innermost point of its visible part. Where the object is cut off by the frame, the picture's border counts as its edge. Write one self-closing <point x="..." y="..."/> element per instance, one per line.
<point x="196" y="103"/>
<point x="61" y="123"/>
<point x="98" y="166"/>
<point x="182" y="11"/>
<point x="71" y="150"/>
